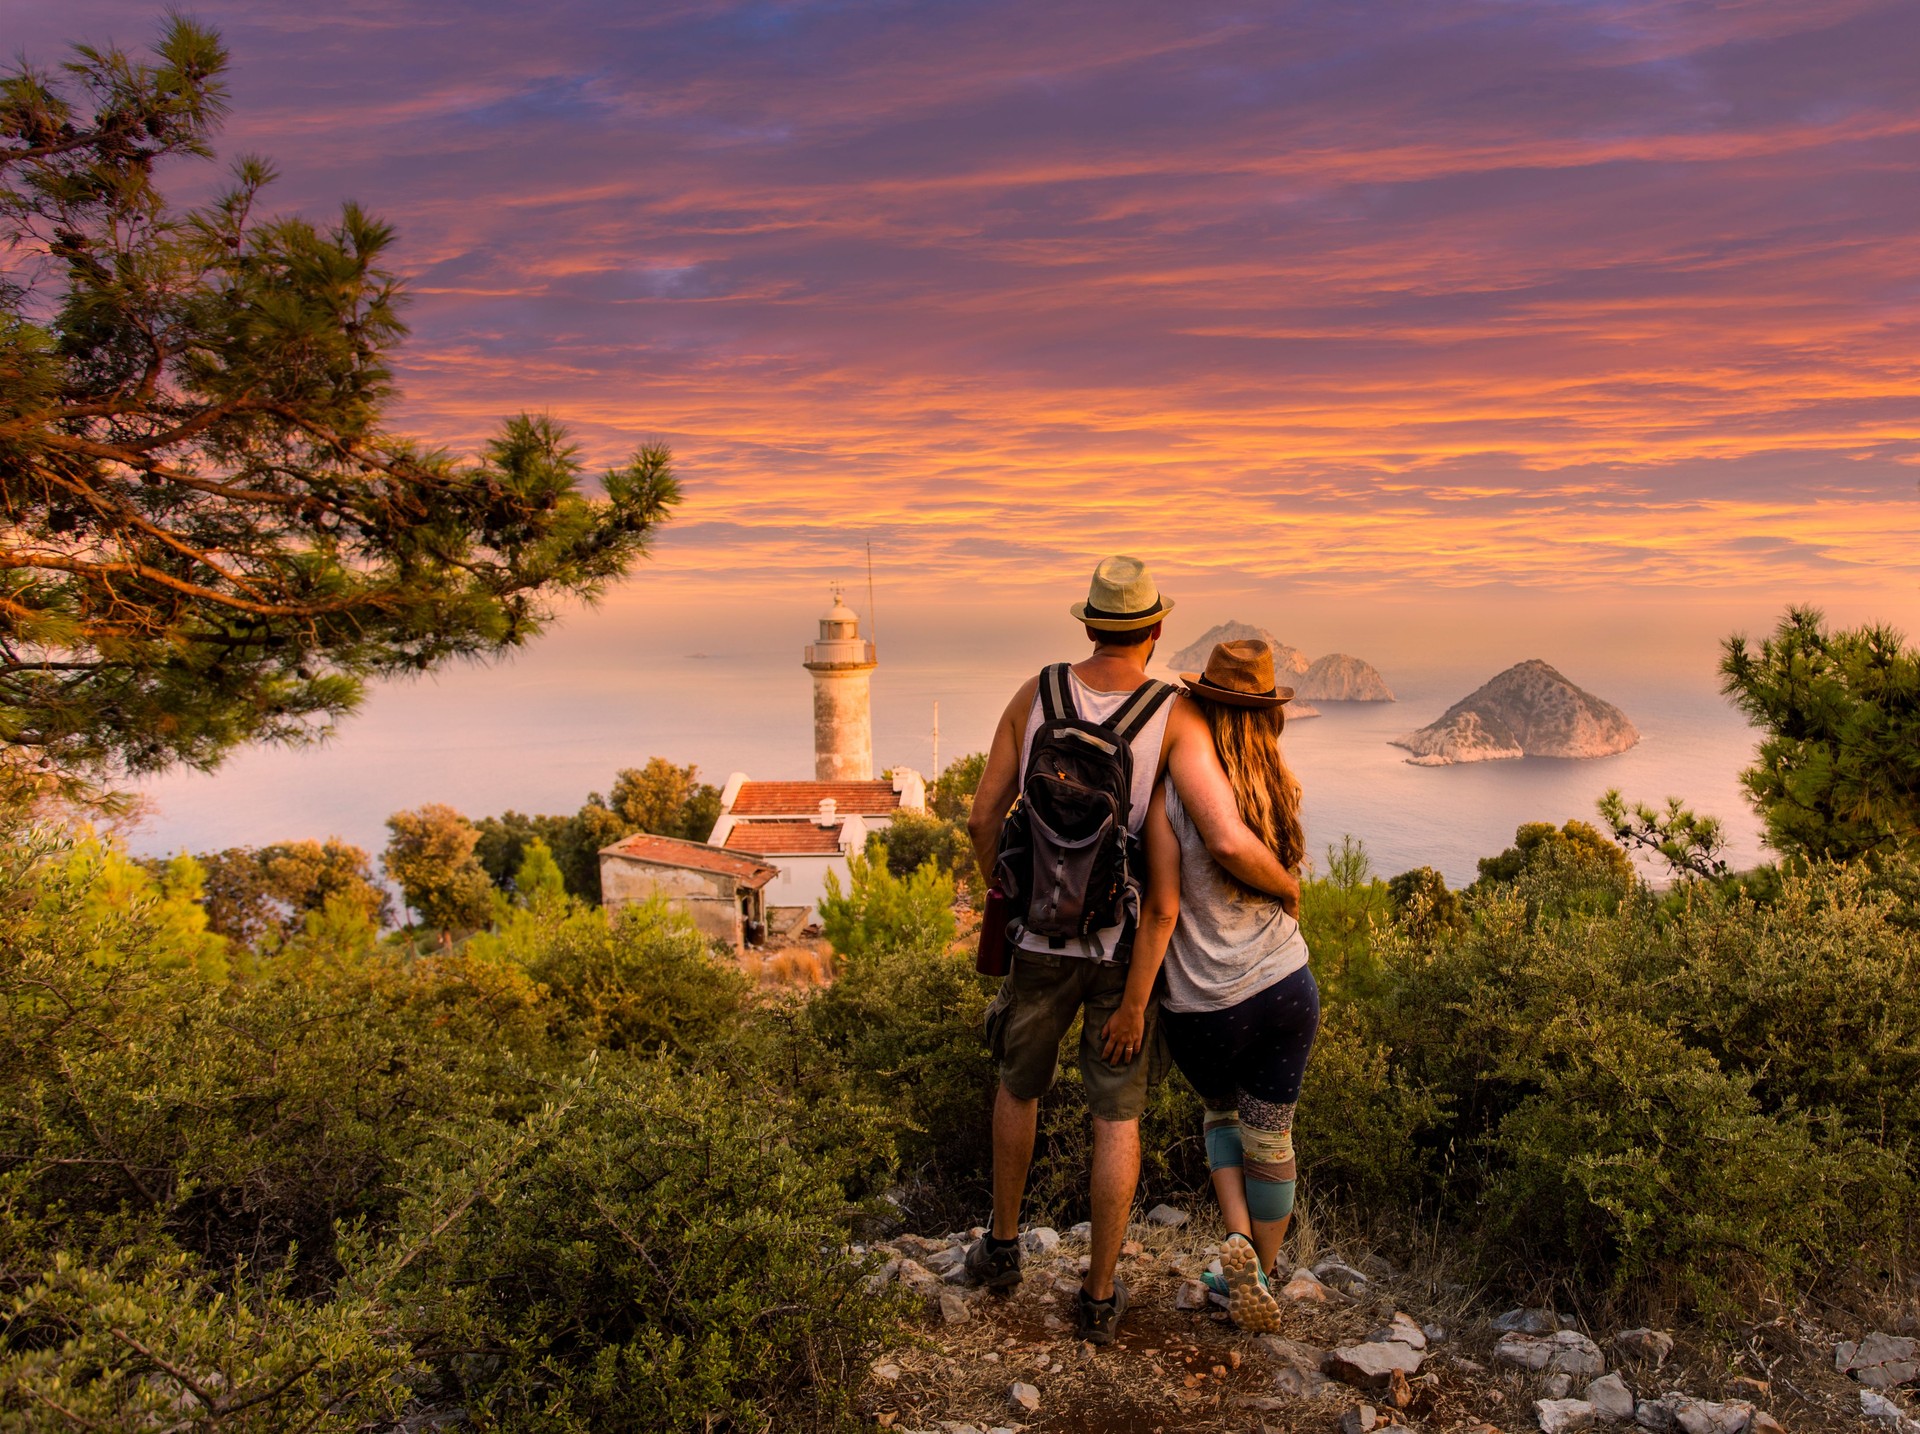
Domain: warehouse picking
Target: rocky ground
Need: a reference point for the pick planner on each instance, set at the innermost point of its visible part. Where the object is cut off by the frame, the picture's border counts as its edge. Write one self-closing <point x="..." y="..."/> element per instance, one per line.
<point x="1366" y="1348"/>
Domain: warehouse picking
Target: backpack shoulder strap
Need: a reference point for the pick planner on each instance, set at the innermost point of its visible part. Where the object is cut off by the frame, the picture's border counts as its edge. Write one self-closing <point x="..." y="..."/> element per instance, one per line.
<point x="1134" y="714"/>
<point x="1056" y="693"/>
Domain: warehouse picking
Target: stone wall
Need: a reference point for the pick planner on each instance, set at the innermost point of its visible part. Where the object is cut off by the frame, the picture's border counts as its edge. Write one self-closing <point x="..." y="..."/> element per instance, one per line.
<point x="709" y="898"/>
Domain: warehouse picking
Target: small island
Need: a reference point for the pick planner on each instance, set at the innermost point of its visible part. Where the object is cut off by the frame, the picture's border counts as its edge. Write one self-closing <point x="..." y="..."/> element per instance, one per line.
<point x="1530" y="710"/>
<point x="1342" y="677"/>
<point x="1337" y="677"/>
<point x="1288" y="662"/>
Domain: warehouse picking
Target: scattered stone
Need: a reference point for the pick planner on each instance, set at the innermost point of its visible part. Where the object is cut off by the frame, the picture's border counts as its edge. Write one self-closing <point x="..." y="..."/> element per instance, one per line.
<point x="1701" y="1416"/>
<point x="1403" y="1328"/>
<point x="957" y="1275"/>
<point x="1333" y="1272"/>
<point x="1300" y="1365"/>
<point x="1557" y="1386"/>
<point x="1655" y="1415"/>
<point x="1399" y="1392"/>
<point x="1465" y="1365"/>
<point x="1026" y="1396"/>
<point x="1764" y="1423"/>
<point x="1567" y="1352"/>
<point x="918" y="1278"/>
<point x="917" y="1246"/>
<point x="1167" y="1217"/>
<point x="1373" y="1364"/>
<point x="1528" y="1322"/>
<point x="889" y="1372"/>
<point x="1745" y="1386"/>
<point x="1039" y="1242"/>
<point x="1653" y="1344"/>
<point x="1883" y="1410"/>
<point x="1192" y="1295"/>
<point x="1132" y="1249"/>
<point x="1434" y="1333"/>
<point x="1263" y="1403"/>
<point x="1304" y="1287"/>
<point x="882" y="1277"/>
<point x="1359" y="1421"/>
<point x="943" y="1260"/>
<point x="953" y="1309"/>
<point x="1081" y="1232"/>
<point x="1610" y="1398"/>
<point x="1378" y="1266"/>
<point x="1880" y="1361"/>
<point x="1562" y="1416"/>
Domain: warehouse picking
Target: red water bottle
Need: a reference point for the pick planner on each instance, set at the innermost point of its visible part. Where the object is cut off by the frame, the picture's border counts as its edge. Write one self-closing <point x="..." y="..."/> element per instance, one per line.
<point x="991" y="958"/>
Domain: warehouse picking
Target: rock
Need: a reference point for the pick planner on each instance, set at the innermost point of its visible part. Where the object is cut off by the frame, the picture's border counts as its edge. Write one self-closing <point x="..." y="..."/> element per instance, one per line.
<point x="1880" y="1361"/>
<point x="1528" y="1322"/>
<point x="1341" y="677"/>
<point x="1132" y="1250"/>
<point x="1332" y="1272"/>
<point x="1405" y="1329"/>
<point x="1373" y="1364"/>
<point x="1039" y="1242"/>
<point x="1745" y="1386"/>
<point x="1467" y="1366"/>
<point x="1300" y="1365"/>
<point x="1192" y="1295"/>
<point x="1082" y="1232"/>
<point x="1166" y="1217"/>
<point x="1567" y="1352"/>
<point x="888" y="1372"/>
<point x="1529" y="710"/>
<point x="1764" y="1423"/>
<point x="1304" y="1287"/>
<point x="957" y="1275"/>
<point x="1700" y="1416"/>
<point x="1557" y="1386"/>
<point x="943" y="1260"/>
<point x="1883" y="1410"/>
<point x="1359" y="1421"/>
<point x="1399" y="1392"/>
<point x="1434" y="1333"/>
<point x="917" y="1246"/>
<point x="1654" y="1414"/>
<point x="1653" y="1344"/>
<point x="1610" y="1398"/>
<point x="916" y="1276"/>
<point x="1288" y="662"/>
<point x="882" y="1277"/>
<point x="1026" y="1396"/>
<point x="1562" y="1416"/>
<point x="953" y="1309"/>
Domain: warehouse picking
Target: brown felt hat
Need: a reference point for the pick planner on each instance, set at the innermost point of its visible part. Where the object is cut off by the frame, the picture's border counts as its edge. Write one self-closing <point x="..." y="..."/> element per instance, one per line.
<point x="1239" y="674"/>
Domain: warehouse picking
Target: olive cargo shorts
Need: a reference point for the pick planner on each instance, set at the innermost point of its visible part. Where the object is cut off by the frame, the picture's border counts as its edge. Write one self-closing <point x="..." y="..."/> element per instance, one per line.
<point x="1035" y="1008"/>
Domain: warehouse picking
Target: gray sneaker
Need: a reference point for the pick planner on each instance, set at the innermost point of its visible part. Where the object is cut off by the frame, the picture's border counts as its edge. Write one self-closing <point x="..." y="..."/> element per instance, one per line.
<point x="1100" y="1319"/>
<point x="991" y="1268"/>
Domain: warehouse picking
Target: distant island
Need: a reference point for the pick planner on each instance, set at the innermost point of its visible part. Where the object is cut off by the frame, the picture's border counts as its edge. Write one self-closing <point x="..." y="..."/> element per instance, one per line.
<point x="1530" y="710"/>
<point x="1337" y="677"/>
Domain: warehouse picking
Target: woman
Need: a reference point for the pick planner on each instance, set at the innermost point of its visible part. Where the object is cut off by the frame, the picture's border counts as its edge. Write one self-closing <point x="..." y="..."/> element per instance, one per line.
<point x="1240" y="1007"/>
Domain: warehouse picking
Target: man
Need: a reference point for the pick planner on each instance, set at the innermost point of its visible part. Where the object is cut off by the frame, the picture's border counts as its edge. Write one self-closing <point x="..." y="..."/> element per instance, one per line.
<point x="1051" y="982"/>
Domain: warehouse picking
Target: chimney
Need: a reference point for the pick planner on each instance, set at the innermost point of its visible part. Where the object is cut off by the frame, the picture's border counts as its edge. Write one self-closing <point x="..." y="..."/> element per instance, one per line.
<point x="829" y="812"/>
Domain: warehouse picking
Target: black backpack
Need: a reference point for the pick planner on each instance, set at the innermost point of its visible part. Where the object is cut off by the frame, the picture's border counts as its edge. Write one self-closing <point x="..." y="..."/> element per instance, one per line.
<point x="1068" y="865"/>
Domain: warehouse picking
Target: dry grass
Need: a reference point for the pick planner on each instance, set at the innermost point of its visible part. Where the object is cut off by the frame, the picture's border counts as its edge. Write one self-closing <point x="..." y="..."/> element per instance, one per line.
<point x="792" y="968"/>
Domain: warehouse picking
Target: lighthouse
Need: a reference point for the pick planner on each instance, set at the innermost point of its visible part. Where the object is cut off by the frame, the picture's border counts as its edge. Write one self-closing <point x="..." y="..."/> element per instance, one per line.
<point x="842" y="664"/>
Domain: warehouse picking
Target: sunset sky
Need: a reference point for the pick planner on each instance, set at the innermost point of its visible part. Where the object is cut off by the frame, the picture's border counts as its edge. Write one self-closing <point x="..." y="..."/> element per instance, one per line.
<point x="1563" y="297"/>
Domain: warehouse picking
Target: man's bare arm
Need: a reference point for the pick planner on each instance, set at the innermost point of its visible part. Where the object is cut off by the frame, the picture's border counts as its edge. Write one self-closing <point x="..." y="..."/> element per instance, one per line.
<point x="1000" y="780"/>
<point x="1208" y="797"/>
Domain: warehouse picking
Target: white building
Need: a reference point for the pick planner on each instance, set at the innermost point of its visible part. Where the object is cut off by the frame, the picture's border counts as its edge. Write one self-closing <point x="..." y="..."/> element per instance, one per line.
<point x="807" y="829"/>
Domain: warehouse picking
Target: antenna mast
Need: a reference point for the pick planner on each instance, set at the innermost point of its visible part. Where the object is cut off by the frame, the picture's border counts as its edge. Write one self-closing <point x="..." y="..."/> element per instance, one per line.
<point x="936" y="741"/>
<point x="873" y="622"/>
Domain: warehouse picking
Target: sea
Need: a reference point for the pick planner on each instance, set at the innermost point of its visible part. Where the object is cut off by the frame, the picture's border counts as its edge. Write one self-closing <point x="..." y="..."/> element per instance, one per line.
<point x="610" y="689"/>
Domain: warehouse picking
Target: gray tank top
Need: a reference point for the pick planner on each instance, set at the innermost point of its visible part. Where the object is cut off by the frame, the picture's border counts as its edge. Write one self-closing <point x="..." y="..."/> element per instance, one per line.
<point x="1227" y="945"/>
<point x="1096" y="706"/>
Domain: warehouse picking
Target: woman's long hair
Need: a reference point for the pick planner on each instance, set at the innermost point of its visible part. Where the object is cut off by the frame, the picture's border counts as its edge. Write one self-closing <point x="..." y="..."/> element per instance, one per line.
<point x="1264" y="787"/>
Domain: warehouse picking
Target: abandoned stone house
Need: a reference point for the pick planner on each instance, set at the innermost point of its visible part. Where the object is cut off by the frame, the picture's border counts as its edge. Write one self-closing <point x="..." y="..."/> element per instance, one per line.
<point x="796" y="831"/>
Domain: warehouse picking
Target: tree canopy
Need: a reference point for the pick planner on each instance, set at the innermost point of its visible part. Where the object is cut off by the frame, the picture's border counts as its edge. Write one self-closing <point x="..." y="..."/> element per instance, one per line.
<point x="1837" y="773"/>
<point x="211" y="536"/>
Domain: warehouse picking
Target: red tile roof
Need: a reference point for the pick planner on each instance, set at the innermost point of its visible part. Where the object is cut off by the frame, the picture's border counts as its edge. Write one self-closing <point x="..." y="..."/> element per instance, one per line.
<point x="794" y="799"/>
<point x="693" y="856"/>
<point x="785" y="838"/>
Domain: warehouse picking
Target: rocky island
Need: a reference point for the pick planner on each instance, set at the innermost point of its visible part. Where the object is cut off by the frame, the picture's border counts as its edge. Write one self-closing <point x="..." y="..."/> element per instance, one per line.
<point x="1288" y="662"/>
<point x="1341" y="677"/>
<point x="1530" y="710"/>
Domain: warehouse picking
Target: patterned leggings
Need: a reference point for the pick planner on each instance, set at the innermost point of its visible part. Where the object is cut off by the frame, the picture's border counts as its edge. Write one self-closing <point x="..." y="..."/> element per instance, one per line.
<point x="1247" y="1062"/>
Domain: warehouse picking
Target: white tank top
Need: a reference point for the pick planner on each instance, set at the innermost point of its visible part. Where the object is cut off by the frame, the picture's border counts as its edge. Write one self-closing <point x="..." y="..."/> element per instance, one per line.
<point x="1096" y="706"/>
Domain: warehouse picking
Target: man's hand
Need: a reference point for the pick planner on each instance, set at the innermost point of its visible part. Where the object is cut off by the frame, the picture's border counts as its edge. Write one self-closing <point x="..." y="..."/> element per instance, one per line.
<point x="1124" y="1034"/>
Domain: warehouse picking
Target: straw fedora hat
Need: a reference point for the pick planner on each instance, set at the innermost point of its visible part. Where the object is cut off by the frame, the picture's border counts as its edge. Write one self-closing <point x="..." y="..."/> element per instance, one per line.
<point x="1122" y="597"/>
<point x="1239" y="674"/>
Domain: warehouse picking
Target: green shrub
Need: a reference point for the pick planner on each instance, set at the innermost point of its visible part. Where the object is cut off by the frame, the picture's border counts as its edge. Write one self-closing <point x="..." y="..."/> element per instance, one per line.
<point x="880" y="911"/>
<point x="665" y="1260"/>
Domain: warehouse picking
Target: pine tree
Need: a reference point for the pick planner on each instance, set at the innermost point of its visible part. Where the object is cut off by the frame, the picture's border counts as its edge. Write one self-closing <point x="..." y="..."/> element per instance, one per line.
<point x="210" y="535"/>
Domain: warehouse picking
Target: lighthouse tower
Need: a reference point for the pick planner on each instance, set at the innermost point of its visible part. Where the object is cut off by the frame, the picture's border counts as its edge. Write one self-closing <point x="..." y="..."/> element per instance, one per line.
<point x="842" y="663"/>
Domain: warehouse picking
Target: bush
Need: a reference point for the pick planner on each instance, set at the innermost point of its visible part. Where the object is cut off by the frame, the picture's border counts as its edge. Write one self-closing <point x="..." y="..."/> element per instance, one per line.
<point x="883" y="912"/>
<point x="665" y="1260"/>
